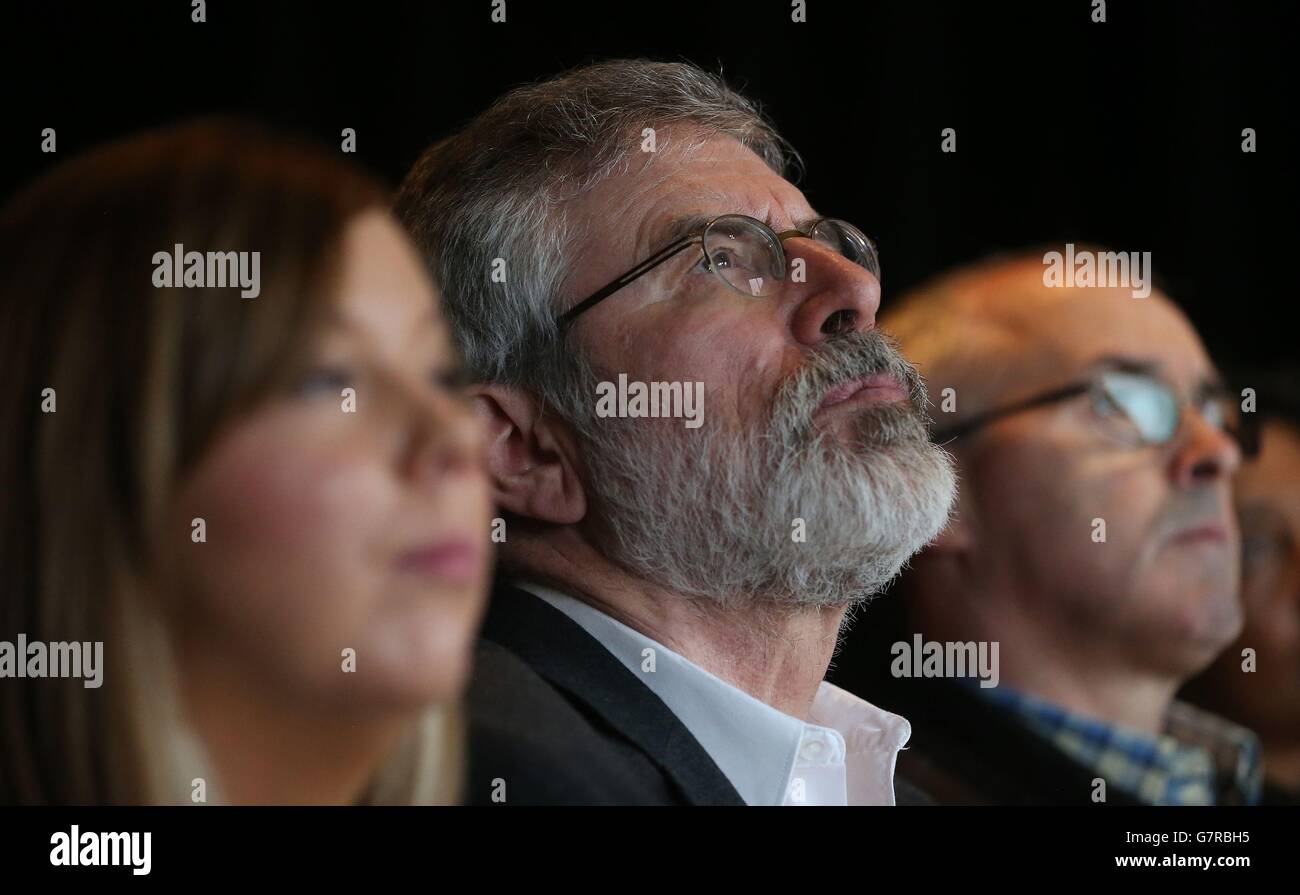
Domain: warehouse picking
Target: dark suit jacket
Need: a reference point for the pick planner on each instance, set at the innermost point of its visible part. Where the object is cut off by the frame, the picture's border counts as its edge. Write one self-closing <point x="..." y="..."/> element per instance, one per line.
<point x="556" y="719"/>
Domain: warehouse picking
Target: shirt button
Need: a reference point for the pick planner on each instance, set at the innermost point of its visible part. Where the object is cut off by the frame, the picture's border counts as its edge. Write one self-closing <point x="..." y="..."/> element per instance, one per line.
<point x="812" y="750"/>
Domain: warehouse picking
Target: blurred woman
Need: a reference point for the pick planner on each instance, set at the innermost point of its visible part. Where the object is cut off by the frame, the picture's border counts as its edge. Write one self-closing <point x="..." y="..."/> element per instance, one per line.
<point x="267" y="503"/>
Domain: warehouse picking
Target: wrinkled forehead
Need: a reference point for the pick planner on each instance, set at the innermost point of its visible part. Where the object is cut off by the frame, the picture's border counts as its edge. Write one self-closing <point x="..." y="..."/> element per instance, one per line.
<point x="659" y="196"/>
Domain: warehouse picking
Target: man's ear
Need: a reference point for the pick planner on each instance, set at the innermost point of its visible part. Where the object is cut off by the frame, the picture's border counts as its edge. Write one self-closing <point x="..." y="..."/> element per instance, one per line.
<point x="531" y="456"/>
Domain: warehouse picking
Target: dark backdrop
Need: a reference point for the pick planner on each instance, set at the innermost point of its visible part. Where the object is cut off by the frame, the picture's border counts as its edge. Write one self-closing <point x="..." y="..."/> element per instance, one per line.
<point x="1126" y="133"/>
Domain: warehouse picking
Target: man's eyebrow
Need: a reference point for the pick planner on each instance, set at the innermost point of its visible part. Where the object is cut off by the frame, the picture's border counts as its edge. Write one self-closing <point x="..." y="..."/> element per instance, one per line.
<point x="801" y="224"/>
<point x="675" y="229"/>
<point x="1214" y="383"/>
<point x="1124" y="363"/>
<point x="1211" y="383"/>
<point x="688" y="225"/>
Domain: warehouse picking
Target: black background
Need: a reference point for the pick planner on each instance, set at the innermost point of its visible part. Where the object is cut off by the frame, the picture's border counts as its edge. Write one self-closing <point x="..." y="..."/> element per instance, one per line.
<point x="493" y="848"/>
<point x="1126" y="133"/>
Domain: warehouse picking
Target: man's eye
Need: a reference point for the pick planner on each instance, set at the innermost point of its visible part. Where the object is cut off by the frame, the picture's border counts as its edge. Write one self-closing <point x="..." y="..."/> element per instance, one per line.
<point x="723" y="259"/>
<point x="1106" y="405"/>
<point x="720" y="259"/>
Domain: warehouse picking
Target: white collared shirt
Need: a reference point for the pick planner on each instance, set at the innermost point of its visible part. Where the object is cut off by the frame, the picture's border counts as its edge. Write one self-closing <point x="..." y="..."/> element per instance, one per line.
<point x="846" y="757"/>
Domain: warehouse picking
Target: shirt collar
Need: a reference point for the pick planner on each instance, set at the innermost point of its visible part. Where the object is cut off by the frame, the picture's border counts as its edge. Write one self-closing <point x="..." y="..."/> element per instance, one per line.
<point x="846" y="755"/>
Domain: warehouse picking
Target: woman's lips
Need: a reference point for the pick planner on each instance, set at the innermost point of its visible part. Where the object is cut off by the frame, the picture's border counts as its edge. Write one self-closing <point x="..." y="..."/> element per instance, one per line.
<point x="456" y="561"/>
<point x="880" y="387"/>
<point x="1201" y="534"/>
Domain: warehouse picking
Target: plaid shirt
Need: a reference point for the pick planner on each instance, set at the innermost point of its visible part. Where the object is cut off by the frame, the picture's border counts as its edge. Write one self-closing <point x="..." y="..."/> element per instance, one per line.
<point x="1200" y="759"/>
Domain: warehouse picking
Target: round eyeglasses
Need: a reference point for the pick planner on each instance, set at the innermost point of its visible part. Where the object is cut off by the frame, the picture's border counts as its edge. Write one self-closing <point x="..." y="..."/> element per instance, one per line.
<point x="1134" y="408"/>
<point x="747" y="255"/>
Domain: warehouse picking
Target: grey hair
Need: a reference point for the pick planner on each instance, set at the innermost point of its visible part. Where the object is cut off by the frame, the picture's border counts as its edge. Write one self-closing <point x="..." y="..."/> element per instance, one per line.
<point x="495" y="191"/>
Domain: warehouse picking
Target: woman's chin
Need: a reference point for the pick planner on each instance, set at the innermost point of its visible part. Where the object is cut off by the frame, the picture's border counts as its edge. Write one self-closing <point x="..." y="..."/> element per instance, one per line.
<point x="437" y="678"/>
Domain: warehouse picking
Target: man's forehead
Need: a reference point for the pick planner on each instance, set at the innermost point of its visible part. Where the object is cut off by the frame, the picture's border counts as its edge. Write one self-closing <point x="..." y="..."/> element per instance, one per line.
<point x="1095" y="320"/>
<point x="1067" y="331"/>
<point x="691" y="181"/>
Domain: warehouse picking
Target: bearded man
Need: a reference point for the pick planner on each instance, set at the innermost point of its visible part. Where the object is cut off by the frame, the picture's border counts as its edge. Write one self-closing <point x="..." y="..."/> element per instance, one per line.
<point x="672" y="594"/>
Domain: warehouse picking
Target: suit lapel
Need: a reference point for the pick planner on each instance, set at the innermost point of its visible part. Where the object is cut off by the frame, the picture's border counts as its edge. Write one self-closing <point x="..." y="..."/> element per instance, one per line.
<point x="571" y="659"/>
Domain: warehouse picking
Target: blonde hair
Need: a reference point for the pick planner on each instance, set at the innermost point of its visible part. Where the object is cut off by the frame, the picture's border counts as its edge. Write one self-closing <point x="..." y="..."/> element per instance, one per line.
<point x="144" y="380"/>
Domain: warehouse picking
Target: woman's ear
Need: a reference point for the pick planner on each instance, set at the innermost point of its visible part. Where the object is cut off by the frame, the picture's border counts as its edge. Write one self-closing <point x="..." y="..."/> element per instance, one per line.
<point x="531" y="456"/>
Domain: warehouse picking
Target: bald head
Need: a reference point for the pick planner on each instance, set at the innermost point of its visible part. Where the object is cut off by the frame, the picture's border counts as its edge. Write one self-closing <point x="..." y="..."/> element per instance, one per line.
<point x="1067" y="538"/>
<point x="994" y="332"/>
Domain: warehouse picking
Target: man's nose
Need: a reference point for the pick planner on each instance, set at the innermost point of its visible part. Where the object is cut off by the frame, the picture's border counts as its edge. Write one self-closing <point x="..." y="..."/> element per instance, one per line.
<point x="1207" y="453"/>
<point x="835" y="297"/>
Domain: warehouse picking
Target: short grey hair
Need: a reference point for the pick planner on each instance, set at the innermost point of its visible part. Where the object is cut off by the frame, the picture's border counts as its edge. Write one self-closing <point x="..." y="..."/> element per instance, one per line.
<point x="496" y="190"/>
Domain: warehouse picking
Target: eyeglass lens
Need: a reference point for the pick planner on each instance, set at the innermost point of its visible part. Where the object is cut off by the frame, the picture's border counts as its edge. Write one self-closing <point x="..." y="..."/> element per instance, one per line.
<point x="1149" y="410"/>
<point x="749" y="257"/>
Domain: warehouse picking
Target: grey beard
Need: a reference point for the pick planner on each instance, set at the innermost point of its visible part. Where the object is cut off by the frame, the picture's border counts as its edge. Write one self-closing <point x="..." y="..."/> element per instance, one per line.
<point x="713" y="513"/>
